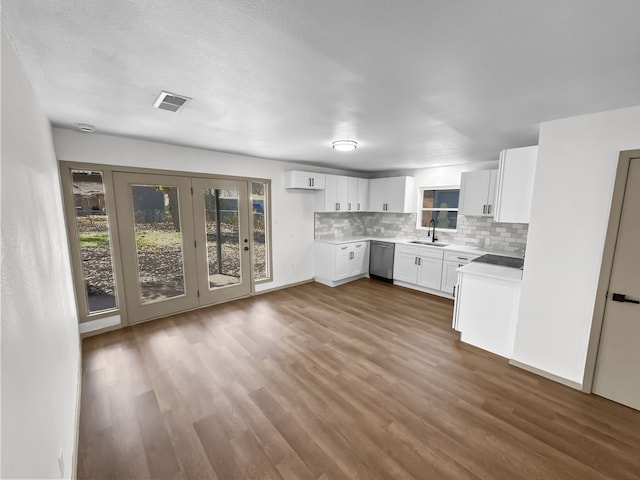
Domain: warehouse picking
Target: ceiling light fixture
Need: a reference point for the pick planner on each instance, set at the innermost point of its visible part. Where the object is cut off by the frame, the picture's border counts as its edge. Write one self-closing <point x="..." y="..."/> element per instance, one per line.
<point x="86" y="128"/>
<point x="345" y="145"/>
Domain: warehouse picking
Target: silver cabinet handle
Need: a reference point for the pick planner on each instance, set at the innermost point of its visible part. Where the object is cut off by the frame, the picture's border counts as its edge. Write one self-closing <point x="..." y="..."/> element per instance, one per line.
<point x="462" y="258"/>
<point x="484" y="209"/>
<point x="419" y="261"/>
<point x="358" y="246"/>
<point x="351" y="255"/>
<point x="349" y="208"/>
<point x="337" y="206"/>
<point x="343" y="248"/>
<point x="309" y="181"/>
<point x="415" y="261"/>
<point x="358" y="207"/>
<point x="488" y="209"/>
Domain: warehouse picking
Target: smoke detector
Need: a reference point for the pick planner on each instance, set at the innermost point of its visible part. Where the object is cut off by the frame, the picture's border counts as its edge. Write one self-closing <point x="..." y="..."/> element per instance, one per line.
<point x="171" y="101"/>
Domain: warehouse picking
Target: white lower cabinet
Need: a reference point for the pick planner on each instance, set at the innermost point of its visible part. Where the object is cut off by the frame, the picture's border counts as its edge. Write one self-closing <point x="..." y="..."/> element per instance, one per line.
<point x="337" y="264"/>
<point x="486" y="307"/>
<point x="421" y="266"/>
<point x="453" y="261"/>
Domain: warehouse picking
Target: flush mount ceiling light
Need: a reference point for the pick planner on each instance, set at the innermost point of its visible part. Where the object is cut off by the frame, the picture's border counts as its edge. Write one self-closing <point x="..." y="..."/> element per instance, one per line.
<point x="170" y="101"/>
<point x="86" y="128"/>
<point x="345" y="145"/>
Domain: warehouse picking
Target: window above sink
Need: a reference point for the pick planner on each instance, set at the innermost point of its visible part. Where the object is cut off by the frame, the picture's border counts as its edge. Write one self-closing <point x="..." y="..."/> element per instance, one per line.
<point x="441" y="205"/>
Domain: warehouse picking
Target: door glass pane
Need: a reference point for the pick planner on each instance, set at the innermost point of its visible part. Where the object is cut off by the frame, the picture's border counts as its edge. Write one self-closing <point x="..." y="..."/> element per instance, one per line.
<point x="223" y="236"/>
<point x="158" y="242"/>
<point x="260" y="234"/>
<point x="92" y="224"/>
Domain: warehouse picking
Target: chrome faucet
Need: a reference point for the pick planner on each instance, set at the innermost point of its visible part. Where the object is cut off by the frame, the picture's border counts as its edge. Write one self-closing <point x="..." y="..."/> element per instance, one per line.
<point x="433" y="237"/>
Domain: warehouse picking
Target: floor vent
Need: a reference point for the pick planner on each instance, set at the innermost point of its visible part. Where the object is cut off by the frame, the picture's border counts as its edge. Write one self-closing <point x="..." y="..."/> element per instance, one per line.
<point x="171" y="101"/>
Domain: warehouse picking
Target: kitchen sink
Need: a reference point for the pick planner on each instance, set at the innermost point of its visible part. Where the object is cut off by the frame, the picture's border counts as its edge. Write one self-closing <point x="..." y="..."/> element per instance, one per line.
<point x="434" y="244"/>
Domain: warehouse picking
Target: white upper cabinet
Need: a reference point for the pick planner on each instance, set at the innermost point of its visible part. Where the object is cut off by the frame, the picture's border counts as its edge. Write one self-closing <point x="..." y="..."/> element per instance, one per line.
<point x="362" y="203"/>
<point x="341" y="194"/>
<point x="392" y="194"/>
<point x="516" y="173"/>
<point x="478" y="193"/>
<point x="304" y="180"/>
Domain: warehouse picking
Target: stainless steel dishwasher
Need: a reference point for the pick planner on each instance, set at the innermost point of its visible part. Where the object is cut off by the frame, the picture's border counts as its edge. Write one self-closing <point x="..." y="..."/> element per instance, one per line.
<point x="381" y="260"/>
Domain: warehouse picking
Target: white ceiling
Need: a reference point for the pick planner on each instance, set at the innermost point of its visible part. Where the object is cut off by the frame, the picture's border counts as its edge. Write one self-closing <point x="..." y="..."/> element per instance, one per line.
<point x="416" y="83"/>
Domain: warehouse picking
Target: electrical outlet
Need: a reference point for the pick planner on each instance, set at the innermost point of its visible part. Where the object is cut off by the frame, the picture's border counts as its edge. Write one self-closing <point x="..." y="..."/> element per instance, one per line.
<point x="61" y="463"/>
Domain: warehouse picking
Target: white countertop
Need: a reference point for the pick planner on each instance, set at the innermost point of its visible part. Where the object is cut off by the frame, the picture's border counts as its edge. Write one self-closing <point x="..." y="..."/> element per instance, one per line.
<point x="492" y="271"/>
<point x="449" y="247"/>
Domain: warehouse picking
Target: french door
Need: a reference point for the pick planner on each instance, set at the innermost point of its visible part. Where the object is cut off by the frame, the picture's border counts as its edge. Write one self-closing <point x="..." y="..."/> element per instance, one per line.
<point x="184" y="242"/>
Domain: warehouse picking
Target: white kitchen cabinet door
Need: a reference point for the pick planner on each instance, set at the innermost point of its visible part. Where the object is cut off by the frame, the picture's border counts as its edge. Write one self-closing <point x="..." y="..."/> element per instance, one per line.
<point x="391" y="194"/>
<point x="363" y="195"/>
<point x="335" y="196"/>
<point x="377" y="194"/>
<point x="429" y="272"/>
<point x="304" y="180"/>
<point x="516" y="174"/>
<point x="453" y="261"/>
<point x="344" y="262"/>
<point x="477" y="193"/>
<point x="352" y="194"/>
<point x="405" y="267"/>
<point x="400" y="195"/>
<point x="360" y="259"/>
<point x="449" y="276"/>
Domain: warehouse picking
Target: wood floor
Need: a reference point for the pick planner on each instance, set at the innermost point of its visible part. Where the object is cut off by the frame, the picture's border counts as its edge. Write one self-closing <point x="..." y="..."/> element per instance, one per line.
<point x="362" y="381"/>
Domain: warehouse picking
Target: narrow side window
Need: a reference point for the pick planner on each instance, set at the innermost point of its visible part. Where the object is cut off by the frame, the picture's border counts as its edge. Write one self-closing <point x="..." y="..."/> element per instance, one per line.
<point x="94" y="240"/>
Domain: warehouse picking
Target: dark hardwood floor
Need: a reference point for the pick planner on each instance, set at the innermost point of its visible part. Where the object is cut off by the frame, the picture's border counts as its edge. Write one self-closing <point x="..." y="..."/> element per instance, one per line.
<point x="363" y="381"/>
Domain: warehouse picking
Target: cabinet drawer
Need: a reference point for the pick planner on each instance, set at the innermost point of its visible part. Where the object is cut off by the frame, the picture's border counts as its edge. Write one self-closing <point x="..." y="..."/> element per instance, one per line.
<point x="460" y="256"/>
<point x="410" y="249"/>
<point x="435" y="252"/>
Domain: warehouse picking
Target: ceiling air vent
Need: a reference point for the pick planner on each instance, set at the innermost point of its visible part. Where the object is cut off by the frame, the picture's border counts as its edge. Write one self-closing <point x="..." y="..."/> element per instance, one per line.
<point x="170" y="101"/>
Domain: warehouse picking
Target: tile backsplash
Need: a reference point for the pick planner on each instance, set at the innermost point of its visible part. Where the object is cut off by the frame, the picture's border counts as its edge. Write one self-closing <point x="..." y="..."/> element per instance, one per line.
<point x="480" y="232"/>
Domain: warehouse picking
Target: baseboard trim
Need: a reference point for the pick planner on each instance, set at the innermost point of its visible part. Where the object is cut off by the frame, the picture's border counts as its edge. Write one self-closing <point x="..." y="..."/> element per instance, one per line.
<point x="545" y="374"/>
<point x="282" y="287"/>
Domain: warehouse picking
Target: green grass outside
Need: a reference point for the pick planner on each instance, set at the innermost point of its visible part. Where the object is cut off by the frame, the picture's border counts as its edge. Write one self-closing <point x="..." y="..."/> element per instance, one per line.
<point x="150" y="239"/>
<point x="158" y="239"/>
<point x="94" y="239"/>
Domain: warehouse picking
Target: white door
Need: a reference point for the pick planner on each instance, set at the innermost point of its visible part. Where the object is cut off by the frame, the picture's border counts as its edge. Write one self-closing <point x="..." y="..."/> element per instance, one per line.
<point x="617" y="374"/>
<point x="155" y="222"/>
<point x="223" y="249"/>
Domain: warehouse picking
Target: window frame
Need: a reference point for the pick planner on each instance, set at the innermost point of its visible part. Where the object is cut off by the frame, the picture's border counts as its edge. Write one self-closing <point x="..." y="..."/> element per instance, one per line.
<point x="64" y="172"/>
<point x="267" y="231"/>
<point x="421" y="209"/>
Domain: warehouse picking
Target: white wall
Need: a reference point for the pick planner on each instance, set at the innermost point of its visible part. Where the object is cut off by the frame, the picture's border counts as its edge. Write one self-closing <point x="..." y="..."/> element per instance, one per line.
<point x="577" y="160"/>
<point x="292" y="210"/>
<point x="40" y="344"/>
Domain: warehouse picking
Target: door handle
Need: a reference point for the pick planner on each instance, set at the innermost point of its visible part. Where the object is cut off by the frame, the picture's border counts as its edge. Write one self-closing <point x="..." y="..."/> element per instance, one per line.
<point x="621" y="297"/>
